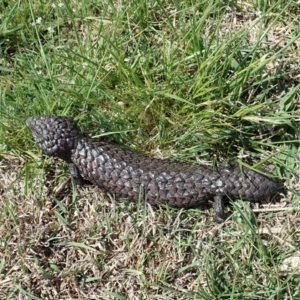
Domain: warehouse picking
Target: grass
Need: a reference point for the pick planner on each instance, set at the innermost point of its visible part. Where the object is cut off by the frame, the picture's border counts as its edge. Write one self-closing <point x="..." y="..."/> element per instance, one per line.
<point x="197" y="81"/>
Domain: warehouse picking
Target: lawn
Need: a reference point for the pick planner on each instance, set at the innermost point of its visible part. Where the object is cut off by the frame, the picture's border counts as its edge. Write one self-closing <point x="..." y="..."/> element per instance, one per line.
<point x="202" y="82"/>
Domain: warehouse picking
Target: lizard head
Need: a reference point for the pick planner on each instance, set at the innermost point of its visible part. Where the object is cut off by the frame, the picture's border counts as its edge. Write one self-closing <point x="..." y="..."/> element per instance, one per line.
<point x="56" y="136"/>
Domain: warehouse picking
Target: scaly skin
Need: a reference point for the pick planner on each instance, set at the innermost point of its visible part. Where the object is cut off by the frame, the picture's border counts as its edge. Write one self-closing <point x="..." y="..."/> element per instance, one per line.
<point x="130" y="175"/>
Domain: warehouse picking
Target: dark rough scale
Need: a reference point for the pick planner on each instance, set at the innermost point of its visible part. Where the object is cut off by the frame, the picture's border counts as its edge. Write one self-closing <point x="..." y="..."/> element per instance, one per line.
<point x="127" y="174"/>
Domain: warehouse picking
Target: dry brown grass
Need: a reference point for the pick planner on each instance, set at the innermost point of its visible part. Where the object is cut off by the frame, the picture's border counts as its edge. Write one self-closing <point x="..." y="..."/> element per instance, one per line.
<point x="90" y="246"/>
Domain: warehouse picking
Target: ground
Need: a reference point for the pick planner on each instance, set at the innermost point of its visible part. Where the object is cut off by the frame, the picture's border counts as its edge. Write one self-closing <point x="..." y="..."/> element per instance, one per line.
<point x="203" y="83"/>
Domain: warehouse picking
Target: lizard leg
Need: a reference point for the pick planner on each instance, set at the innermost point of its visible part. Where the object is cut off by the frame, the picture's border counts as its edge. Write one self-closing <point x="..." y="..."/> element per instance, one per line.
<point x="76" y="175"/>
<point x="220" y="216"/>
